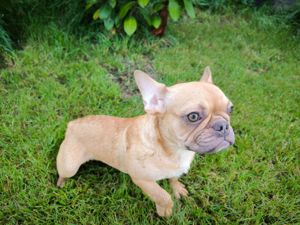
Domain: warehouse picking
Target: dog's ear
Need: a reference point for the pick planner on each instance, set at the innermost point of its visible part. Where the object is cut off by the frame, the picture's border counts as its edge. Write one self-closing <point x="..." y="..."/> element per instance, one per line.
<point x="206" y="76"/>
<point x="153" y="93"/>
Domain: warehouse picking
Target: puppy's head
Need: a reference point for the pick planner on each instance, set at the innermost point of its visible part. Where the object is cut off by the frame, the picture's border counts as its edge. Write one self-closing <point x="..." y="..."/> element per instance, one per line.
<point x="194" y="116"/>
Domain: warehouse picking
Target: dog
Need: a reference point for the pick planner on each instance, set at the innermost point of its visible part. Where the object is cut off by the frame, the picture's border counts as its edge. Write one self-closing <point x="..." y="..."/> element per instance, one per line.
<point x="180" y="120"/>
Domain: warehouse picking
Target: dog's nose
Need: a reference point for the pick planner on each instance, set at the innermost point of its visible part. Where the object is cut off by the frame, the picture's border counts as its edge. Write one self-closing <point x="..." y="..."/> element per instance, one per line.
<point x="221" y="126"/>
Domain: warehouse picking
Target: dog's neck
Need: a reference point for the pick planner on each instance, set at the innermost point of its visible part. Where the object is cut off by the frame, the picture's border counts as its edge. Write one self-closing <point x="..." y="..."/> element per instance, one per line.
<point x="152" y="131"/>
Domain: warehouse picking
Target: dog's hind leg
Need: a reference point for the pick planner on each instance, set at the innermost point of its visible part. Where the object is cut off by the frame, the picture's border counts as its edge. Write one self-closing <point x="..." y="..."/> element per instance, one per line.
<point x="61" y="181"/>
<point x="70" y="157"/>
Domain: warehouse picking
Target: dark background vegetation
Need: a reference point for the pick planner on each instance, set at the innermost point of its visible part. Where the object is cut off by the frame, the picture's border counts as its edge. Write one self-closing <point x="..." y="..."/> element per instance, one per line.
<point x="17" y="15"/>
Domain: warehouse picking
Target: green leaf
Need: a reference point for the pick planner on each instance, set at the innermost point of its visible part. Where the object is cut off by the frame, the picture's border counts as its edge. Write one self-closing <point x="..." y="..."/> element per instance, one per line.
<point x="112" y="3"/>
<point x="125" y="8"/>
<point x="105" y="11"/>
<point x="130" y="25"/>
<point x="146" y="15"/>
<point x="189" y="8"/>
<point x="117" y="21"/>
<point x="174" y="10"/>
<point x="108" y="23"/>
<point x="96" y="14"/>
<point x="156" y="21"/>
<point x="90" y="3"/>
<point x="158" y="6"/>
<point x="87" y="6"/>
<point x="147" y="19"/>
<point x="143" y="3"/>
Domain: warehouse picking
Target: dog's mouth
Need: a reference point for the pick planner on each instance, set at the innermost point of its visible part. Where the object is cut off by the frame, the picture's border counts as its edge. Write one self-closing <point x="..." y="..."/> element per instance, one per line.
<point x="224" y="144"/>
<point x="209" y="141"/>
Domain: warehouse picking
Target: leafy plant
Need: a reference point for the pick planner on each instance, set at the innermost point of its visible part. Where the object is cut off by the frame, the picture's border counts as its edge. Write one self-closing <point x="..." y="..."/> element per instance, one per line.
<point x="5" y="41"/>
<point x="293" y="18"/>
<point x="129" y="15"/>
<point x="212" y="4"/>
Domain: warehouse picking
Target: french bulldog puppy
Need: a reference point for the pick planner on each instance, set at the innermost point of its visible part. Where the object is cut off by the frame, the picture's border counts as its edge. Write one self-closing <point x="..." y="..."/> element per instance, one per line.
<point x="180" y="121"/>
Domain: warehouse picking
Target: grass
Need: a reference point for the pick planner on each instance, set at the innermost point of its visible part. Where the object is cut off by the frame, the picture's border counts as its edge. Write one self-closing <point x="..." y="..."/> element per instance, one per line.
<point x="58" y="77"/>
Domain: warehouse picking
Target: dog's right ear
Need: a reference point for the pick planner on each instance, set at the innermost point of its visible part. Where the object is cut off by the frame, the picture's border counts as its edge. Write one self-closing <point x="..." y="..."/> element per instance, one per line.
<point x="153" y="93"/>
<point x="206" y="76"/>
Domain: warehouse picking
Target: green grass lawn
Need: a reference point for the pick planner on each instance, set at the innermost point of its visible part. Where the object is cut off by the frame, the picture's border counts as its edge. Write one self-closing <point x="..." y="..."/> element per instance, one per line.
<point x="58" y="77"/>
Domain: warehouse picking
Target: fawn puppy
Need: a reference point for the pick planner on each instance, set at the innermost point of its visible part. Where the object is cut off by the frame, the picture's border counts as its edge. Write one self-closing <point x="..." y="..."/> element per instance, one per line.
<point x="180" y="121"/>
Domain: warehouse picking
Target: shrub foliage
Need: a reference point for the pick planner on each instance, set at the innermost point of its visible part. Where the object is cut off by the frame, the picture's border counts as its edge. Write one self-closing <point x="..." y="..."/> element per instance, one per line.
<point x="121" y="15"/>
<point x="130" y="14"/>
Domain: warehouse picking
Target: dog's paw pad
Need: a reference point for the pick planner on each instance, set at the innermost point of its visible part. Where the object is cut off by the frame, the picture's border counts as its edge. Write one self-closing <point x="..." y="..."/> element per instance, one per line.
<point x="179" y="190"/>
<point x="164" y="211"/>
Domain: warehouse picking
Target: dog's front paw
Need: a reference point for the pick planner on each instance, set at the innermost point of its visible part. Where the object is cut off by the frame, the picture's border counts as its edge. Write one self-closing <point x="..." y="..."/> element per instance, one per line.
<point x="179" y="189"/>
<point x="165" y="210"/>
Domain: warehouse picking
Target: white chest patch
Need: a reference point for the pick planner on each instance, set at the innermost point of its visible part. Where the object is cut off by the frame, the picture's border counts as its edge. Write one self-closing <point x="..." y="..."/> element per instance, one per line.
<point x="185" y="160"/>
<point x="163" y="168"/>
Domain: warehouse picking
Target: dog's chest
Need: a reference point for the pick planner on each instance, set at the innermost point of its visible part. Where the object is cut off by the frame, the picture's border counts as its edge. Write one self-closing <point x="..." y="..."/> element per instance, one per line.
<point x="161" y="166"/>
<point x="183" y="162"/>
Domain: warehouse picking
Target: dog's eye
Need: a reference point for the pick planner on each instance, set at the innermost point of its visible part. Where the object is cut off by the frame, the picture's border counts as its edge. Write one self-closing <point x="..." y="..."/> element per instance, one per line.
<point x="193" y="117"/>
<point x="230" y="110"/>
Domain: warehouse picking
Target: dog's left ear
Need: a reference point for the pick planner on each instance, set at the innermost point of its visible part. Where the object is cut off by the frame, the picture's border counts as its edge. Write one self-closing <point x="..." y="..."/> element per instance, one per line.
<point x="206" y="76"/>
<point x="153" y="93"/>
